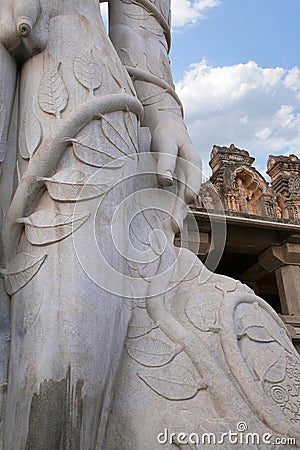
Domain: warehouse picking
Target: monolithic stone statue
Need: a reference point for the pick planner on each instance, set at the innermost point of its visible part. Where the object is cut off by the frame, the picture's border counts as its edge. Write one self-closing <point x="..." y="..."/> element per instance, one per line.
<point x="115" y="334"/>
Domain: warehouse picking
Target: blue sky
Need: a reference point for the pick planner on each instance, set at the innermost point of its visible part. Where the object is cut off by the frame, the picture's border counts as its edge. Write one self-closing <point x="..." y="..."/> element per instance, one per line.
<point x="236" y="67"/>
<point x="235" y="64"/>
<point x="236" y="31"/>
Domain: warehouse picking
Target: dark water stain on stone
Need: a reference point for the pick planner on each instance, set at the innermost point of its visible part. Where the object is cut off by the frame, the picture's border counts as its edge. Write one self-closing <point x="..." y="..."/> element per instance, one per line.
<point x="56" y="416"/>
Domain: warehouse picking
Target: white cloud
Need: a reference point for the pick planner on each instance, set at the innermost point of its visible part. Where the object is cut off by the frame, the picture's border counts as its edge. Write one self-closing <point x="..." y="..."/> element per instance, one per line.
<point x="189" y="11"/>
<point x="255" y="108"/>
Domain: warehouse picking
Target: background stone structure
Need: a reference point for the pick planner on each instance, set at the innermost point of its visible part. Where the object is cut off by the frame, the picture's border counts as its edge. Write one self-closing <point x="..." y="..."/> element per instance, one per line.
<point x="263" y="226"/>
<point x="243" y="190"/>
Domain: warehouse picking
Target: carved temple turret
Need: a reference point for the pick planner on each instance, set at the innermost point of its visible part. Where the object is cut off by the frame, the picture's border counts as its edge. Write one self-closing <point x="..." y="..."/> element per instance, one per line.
<point x="263" y="226"/>
<point x="285" y="175"/>
<point x="240" y="189"/>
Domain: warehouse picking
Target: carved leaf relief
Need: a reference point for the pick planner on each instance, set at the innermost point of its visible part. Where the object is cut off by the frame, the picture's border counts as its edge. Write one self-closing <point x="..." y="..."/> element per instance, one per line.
<point x="248" y="289"/>
<point x="153" y="63"/>
<point x="140" y="324"/>
<point x="130" y="303"/>
<point x="32" y="311"/>
<point x="131" y="127"/>
<point x="146" y="271"/>
<point x="158" y="32"/>
<point x="72" y="185"/>
<point x="153" y="99"/>
<point x="21" y="270"/>
<point x="53" y="95"/>
<point x="88" y="72"/>
<point x="201" y="315"/>
<point x="277" y="372"/>
<point x="46" y="227"/>
<point x="193" y="273"/>
<point x="91" y="147"/>
<point x="189" y="269"/>
<point x="139" y="17"/>
<point x="151" y="352"/>
<point x="129" y="57"/>
<point x="118" y="77"/>
<point x="31" y="134"/>
<point x="166" y="70"/>
<point x="117" y="137"/>
<point x="172" y="382"/>
<point x="88" y="154"/>
<point x="258" y="333"/>
<point x="227" y="286"/>
<point x="280" y="334"/>
<point x="176" y="110"/>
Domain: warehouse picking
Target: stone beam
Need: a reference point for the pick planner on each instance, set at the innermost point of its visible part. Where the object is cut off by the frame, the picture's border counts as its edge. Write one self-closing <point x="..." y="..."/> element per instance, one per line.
<point x="284" y="261"/>
<point x="277" y="256"/>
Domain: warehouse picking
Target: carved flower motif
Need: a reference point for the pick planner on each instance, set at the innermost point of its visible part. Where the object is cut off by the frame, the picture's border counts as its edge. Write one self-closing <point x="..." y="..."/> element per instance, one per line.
<point x="293" y="371"/>
<point x="296" y="374"/>
<point x="279" y="395"/>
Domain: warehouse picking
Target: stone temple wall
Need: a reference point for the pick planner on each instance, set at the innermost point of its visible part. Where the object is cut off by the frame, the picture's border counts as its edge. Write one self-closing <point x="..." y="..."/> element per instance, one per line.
<point x="240" y="189"/>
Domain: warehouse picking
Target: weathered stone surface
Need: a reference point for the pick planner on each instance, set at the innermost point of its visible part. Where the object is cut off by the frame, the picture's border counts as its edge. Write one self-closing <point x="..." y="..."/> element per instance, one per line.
<point x="116" y="333"/>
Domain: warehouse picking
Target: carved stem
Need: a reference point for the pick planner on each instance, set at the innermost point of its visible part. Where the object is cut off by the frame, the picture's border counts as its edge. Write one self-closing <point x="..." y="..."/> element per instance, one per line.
<point x="154" y="11"/>
<point x="45" y="161"/>
<point x="220" y="387"/>
<point x="141" y="75"/>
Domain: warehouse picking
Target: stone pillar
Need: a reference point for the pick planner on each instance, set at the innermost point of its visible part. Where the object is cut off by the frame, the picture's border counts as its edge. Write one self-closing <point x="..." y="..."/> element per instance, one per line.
<point x="284" y="260"/>
<point x="197" y="242"/>
<point x="288" y="283"/>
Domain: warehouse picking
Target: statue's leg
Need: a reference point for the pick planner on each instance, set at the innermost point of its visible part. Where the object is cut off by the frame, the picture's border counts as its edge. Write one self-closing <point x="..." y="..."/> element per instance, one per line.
<point x="67" y="335"/>
<point x="67" y="332"/>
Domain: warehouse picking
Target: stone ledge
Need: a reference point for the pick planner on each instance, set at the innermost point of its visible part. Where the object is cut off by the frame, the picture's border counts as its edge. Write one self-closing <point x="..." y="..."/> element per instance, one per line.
<point x="293" y="325"/>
